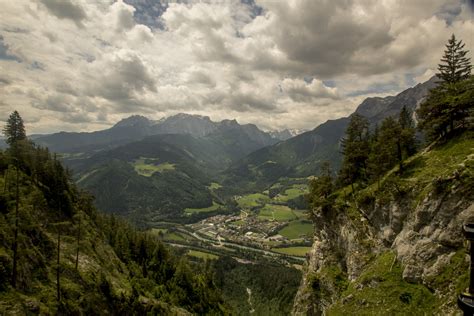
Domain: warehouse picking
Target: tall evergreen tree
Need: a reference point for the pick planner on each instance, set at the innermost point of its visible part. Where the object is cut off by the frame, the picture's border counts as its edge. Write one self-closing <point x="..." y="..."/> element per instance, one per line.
<point x="386" y="149"/>
<point x="407" y="133"/>
<point x="455" y="66"/>
<point x="355" y="148"/>
<point x="14" y="131"/>
<point x="321" y="189"/>
<point x="447" y="106"/>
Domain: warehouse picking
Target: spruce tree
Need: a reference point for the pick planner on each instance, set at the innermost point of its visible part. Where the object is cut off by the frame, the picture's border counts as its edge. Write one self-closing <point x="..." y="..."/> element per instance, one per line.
<point x="448" y="105"/>
<point x="355" y="148"/>
<point x="455" y="66"/>
<point x="407" y="133"/>
<point x="321" y="189"/>
<point x="14" y="131"/>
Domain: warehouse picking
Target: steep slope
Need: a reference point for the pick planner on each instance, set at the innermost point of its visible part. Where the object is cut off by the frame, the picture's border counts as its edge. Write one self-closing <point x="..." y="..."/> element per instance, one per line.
<point x="119" y="271"/>
<point x="397" y="247"/>
<point x="152" y="179"/>
<point x="301" y="155"/>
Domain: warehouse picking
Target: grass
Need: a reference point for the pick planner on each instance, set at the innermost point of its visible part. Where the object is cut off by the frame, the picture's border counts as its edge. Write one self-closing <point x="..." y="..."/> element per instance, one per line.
<point x="148" y="166"/>
<point x="381" y="288"/>
<point x="211" y="208"/>
<point x="174" y="237"/>
<point x="202" y="255"/>
<point x="293" y="251"/>
<point x="252" y="200"/>
<point x="295" y="191"/>
<point x="280" y="213"/>
<point x="159" y="230"/>
<point x="296" y="229"/>
<point x="440" y="162"/>
<point x="301" y="214"/>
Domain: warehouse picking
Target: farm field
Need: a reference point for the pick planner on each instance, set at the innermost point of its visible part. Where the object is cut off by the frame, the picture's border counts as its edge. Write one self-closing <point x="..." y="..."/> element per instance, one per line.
<point x="297" y="229"/>
<point x="280" y="213"/>
<point x="293" y="251"/>
<point x="202" y="255"/>
<point x="148" y="166"/>
<point x="211" y="208"/>
<point x="252" y="200"/>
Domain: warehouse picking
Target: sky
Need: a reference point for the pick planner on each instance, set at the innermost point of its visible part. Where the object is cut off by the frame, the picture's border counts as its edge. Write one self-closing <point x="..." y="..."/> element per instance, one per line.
<point x="82" y="65"/>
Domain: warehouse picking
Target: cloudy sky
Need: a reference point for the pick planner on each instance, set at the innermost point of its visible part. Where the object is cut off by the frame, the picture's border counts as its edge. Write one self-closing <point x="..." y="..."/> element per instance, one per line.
<point x="82" y="65"/>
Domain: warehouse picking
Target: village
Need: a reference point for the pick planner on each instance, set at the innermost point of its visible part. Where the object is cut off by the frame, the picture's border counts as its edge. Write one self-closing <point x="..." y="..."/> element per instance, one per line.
<point x="247" y="229"/>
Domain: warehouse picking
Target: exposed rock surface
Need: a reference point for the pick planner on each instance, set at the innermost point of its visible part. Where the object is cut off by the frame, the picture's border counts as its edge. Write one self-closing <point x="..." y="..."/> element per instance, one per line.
<point x="420" y="221"/>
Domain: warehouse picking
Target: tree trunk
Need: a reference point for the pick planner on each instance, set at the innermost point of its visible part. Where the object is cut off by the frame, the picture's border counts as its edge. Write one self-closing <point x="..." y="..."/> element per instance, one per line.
<point x="78" y="240"/>
<point x="5" y="178"/>
<point x="15" y="239"/>
<point x="58" y="285"/>
<point x="400" y="157"/>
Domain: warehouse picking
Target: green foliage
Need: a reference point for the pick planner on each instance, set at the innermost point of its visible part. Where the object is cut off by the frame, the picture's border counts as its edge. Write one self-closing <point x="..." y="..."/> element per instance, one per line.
<point x="447" y="108"/>
<point x="451" y="103"/>
<point x="273" y="287"/>
<point x="297" y="229"/>
<point x="355" y="148"/>
<point x="276" y="212"/>
<point x="120" y="270"/>
<point x="455" y="66"/>
<point x="320" y="191"/>
<point x="293" y="251"/>
<point x="14" y="131"/>
<point x="381" y="287"/>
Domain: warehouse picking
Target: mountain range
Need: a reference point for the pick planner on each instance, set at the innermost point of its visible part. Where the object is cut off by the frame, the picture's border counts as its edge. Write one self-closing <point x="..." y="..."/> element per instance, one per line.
<point x="143" y="168"/>
<point x="137" y="127"/>
<point x="301" y="156"/>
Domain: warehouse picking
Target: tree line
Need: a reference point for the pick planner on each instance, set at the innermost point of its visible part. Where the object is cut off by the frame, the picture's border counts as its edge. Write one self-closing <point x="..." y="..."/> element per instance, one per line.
<point x="369" y="152"/>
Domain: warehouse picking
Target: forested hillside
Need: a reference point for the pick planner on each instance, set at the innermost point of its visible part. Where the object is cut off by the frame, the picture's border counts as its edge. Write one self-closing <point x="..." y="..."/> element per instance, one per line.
<point x="388" y="229"/>
<point x="58" y="255"/>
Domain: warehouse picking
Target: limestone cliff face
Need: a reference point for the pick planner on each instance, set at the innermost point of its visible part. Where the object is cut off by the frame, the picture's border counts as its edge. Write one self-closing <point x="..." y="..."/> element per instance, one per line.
<point x="417" y="218"/>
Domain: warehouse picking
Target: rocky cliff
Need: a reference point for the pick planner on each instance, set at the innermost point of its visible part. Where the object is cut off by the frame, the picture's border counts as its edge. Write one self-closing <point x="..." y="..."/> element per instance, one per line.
<point x="397" y="246"/>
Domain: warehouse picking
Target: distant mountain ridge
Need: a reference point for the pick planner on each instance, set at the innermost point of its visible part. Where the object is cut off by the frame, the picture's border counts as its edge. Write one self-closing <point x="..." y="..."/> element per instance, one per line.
<point x="301" y="156"/>
<point x="286" y="133"/>
<point x="137" y="127"/>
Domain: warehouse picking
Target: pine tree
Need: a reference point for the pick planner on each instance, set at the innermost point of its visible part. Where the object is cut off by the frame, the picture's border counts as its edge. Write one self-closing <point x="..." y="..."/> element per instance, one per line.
<point x="14" y="131"/>
<point x="448" y="105"/>
<point x="355" y="148"/>
<point x="386" y="151"/>
<point x="321" y="189"/>
<point x="455" y="65"/>
<point x="407" y="133"/>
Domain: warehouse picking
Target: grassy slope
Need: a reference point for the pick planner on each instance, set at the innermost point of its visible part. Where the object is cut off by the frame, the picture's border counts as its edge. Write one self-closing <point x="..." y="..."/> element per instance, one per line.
<point x="381" y="287"/>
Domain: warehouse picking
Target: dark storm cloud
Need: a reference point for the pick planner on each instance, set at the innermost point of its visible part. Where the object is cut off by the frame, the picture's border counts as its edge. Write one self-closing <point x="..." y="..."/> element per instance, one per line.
<point x="65" y="9"/>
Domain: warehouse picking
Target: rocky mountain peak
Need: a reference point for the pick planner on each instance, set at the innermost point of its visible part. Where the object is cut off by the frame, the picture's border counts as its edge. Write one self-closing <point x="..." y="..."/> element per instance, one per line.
<point x="134" y="120"/>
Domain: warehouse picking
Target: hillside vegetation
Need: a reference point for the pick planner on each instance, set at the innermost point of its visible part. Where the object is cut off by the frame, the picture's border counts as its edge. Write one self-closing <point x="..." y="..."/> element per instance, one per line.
<point x="58" y="255"/>
<point x="396" y="245"/>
